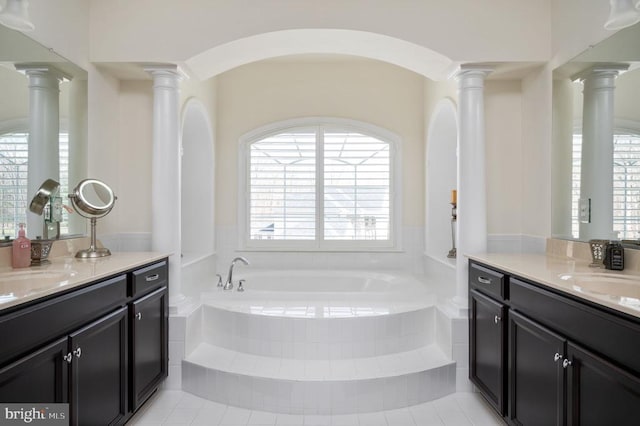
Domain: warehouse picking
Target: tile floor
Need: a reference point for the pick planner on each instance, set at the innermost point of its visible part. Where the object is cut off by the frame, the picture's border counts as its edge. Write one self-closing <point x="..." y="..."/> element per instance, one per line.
<point x="169" y="407"/>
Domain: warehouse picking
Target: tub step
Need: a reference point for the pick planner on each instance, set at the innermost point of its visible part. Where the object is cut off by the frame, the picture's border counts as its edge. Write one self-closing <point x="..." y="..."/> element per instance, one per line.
<point x="374" y="333"/>
<point x="343" y="386"/>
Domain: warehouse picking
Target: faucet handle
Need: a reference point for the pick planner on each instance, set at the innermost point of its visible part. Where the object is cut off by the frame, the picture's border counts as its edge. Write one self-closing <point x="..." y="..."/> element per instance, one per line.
<point x="240" y="288"/>
<point x="219" y="280"/>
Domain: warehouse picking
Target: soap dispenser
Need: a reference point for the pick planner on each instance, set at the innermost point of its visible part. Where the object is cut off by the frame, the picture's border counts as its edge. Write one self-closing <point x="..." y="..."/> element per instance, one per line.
<point x="614" y="256"/>
<point x="21" y="251"/>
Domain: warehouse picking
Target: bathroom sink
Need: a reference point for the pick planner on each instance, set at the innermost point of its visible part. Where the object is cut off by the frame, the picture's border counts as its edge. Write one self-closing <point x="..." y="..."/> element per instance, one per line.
<point x="602" y="283"/>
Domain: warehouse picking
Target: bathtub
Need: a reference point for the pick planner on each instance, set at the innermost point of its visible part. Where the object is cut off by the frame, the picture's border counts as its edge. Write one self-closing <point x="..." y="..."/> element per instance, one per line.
<point x="327" y="281"/>
<point x="321" y="293"/>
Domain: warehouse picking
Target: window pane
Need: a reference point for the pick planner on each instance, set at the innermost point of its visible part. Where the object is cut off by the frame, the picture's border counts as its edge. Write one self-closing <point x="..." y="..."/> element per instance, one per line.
<point x="626" y="186"/>
<point x="13" y="181"/>
<point x="283" y="186"/>
<point x="356" y="187"/>
<point x="14" y="150"/>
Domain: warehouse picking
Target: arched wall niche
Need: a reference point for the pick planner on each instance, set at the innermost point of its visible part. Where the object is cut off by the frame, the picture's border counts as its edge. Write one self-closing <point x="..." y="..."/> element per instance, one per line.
<point x="441" y="175"/>
<point x="197" y="173"/>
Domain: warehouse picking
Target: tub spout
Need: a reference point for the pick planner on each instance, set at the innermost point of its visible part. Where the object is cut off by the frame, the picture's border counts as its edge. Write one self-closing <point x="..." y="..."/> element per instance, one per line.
<point x="228" y="285"/>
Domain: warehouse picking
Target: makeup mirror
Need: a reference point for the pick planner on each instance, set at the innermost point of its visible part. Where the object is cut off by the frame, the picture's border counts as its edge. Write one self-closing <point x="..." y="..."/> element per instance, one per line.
<point x="93" y="199"/>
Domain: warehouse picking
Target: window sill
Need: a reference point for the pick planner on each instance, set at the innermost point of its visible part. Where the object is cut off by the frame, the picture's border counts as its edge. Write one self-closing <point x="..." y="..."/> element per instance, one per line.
<point x="320" y="250"/>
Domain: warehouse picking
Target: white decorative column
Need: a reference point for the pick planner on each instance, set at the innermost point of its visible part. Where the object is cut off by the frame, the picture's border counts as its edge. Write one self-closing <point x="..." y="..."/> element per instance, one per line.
<point x="596" y="176"/>
<point x="165" y="186"/>
<point x="472" y="198"/>
<point x="44" y="134"/>
<point x="78" y="155"/>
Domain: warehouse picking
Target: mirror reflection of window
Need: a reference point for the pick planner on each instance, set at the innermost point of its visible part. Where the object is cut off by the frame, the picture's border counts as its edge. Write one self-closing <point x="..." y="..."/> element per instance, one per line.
<point x="626" y="184"/>
<point x="14" y="165"/>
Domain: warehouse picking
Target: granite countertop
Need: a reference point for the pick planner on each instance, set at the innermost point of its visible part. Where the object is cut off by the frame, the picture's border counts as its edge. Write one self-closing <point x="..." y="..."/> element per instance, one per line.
<point x="63" y="273"/>
<point x="619" y="290"/>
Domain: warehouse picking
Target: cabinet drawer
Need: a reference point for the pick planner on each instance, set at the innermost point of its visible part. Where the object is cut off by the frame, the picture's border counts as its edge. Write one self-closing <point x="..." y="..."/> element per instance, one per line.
<point x="487" y="281"/>
<point x="30" y="327"/>
<point x="148" y="279"/>
<point x="616" y="338"/>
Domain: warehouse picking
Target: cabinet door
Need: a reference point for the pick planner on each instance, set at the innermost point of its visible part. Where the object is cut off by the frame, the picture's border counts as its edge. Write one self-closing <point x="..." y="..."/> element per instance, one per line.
<point x="487" y="349"/>
<point x="536" y="375"/>
<point x="99" y="371"/>
<point x="149" y="346"/>
<point x="40" y="376"/>
<point x="599" y="392"/>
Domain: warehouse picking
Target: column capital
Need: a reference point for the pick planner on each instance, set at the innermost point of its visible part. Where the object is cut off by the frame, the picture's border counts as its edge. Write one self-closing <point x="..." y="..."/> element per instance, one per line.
<point x="603" y="70"/>
<point x="472" y="76"/>
<point x="36" y="70"/>
<point x="165" y="70"/>
<point x="473" y="70"/>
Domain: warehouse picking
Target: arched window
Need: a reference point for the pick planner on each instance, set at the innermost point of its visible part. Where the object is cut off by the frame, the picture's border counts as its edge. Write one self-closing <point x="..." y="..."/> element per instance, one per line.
<point x="322" y="183"/>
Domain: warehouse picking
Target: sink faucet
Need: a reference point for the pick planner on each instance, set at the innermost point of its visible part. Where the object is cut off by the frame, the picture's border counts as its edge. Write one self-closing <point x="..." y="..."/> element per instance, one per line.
<point x="228" y="285"/>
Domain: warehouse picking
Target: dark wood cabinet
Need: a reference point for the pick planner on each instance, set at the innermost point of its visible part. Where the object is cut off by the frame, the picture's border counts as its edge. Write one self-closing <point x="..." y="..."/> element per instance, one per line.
<point x="570" y="362"/>
<point x="40" y="376"/>
<point x="149" y="347"/>
<point x="600" y="392"/>
<point x="487" y="356"/>
<point x="99" y="371"/>
<point x="536" y="376"/>
<point x="102" y="348"/>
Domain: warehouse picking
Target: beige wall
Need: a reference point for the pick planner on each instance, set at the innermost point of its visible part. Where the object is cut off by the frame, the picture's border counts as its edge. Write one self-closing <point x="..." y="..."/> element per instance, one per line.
<point x="503" y="113"/>
<point x="15" y="95"/>
<point x="463" y="30"/>
<point x="153" y="30"/>
<point x="381" y="94"/>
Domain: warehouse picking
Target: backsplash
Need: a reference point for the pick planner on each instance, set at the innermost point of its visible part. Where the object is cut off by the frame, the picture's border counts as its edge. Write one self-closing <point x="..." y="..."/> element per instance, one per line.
<point x="580" y="250"/>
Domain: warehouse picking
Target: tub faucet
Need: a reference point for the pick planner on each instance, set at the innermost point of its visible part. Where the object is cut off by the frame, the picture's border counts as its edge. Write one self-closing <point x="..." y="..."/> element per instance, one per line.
<point x="228" y="285"/>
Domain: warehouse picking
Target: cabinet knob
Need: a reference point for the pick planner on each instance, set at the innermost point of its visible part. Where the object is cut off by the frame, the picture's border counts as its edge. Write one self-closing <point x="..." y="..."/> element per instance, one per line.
<point x="483" y="280"/>
<point x="566" y="363"/>
<point x="152" y="277"/>
<point x="78" y="352"/>
<point x="68" y="357"/>
<point x="497" y="319"/>
<point x="557" y="357"/>
<point x="139" y="316"/>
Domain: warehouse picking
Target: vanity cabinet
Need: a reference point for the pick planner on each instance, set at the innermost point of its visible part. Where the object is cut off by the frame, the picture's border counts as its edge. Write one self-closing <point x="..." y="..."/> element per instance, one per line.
<point x="536" y="380"/>
<point x="488" y="350"/>
<point x="149" y="344"/>
<point x="98" y="383"/>
<point x="101" y="348"/>
<point x="570" y="362"/>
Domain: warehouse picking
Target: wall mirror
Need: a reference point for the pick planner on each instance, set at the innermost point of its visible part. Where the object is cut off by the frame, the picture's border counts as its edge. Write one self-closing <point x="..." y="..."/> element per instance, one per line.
<point x="67" y="162"/>
<point x="572" y="212"/>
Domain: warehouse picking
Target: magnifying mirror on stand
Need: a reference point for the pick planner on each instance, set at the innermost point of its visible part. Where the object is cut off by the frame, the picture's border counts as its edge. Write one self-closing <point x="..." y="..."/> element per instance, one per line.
<point x="92" y="199"/>
<point x="48" y="202"/>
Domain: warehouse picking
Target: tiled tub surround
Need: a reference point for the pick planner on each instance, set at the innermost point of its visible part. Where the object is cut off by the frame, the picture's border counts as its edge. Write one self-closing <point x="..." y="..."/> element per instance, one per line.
<point x="315" y="352"/>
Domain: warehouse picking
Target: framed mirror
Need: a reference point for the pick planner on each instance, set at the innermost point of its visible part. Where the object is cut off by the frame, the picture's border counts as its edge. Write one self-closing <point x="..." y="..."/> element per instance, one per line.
<point x="66" y="160"/>
<point x="618" y="169"/>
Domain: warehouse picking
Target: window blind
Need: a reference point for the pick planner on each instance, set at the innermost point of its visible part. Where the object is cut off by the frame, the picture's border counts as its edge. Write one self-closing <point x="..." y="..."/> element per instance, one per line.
<point x="282" y="186"/>
<point x="356" y="187"/>
<point x="344" y="174"/>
